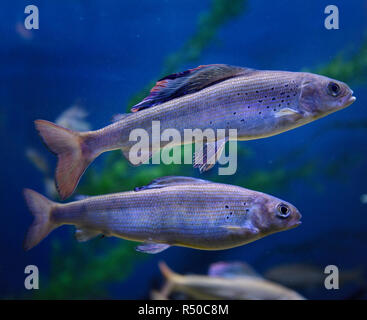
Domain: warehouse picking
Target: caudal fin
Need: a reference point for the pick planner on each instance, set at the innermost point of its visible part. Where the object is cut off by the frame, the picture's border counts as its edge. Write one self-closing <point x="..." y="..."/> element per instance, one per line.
<point x="73" y="155"/>
<point x="168" y="273"/>
<point x="41" y="209"/>
<point x="172" y="279"/>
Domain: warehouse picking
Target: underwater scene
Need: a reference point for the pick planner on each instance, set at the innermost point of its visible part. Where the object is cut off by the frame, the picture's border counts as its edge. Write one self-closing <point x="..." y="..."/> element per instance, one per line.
<point x="107" y="195"/>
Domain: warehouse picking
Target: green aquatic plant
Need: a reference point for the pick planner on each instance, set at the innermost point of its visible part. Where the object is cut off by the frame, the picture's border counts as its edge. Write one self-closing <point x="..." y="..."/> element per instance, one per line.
<point x="352" y="69"/>
<point x="84" y="271"/>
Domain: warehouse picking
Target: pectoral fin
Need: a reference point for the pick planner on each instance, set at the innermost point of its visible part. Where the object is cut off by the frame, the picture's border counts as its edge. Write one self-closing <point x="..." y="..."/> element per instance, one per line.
<point x="205" y="158"/>
<point x="242" y="229"/>
<point x="286" y="112"/>
<point x="152" y="248"/>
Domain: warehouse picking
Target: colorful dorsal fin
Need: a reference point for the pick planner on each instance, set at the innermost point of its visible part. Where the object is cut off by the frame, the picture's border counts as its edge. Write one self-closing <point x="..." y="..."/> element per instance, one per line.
<point x="189" y="81"/>
<point x="170" y="181"/>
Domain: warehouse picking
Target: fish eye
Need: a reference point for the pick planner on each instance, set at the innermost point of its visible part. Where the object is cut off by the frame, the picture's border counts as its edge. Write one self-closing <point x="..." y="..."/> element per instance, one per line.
<point x="333" y="89"/>
<point x="283" y="211"/>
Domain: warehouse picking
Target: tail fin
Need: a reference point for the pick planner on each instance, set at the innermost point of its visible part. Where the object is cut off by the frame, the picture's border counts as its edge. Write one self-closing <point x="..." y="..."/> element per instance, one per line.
<point x="73" y="155"/>
<point x="168" y="273"/>
<point x="172" y="278"/>
<point x="41" y="208"/>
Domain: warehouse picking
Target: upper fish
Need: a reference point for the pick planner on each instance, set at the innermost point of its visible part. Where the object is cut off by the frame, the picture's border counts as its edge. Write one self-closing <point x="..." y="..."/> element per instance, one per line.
<point x="256" y="103"/>
<point x="170" y="211"/>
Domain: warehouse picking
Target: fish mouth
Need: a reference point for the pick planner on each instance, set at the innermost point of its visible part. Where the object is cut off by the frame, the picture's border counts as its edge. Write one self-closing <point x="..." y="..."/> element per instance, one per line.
<point x="350" y="100"/>
<point x="296" y="224"/>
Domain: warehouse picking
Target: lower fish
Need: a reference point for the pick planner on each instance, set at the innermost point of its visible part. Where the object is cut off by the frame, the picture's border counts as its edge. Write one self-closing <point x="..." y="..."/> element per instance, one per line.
<point x="170" y="211"/>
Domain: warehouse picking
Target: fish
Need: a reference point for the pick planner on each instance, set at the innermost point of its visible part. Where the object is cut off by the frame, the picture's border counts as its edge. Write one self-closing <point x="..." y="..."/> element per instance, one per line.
<point x="170" y="211"/>
<point x="244" y="286"/>
<point x="257" y="103"/>
<point x="309" y="276"/>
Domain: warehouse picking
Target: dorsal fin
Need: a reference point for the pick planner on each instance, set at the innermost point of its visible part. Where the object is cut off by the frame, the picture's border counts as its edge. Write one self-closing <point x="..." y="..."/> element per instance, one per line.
<point x="170" y="181"/>
<point x="189" y="81"/>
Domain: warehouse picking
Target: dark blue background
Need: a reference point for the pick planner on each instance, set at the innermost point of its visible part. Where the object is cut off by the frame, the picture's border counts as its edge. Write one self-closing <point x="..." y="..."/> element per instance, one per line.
<point x="99" y="53"/>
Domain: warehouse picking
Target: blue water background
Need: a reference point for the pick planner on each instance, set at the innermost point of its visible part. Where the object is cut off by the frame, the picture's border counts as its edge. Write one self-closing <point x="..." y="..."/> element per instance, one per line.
<point x="99" y="53"/>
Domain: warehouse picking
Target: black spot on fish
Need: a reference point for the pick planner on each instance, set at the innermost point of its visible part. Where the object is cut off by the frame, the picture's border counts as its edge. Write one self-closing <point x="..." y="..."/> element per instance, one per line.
<point x="211" y="122"/>
<point x="260" y="101"/>
<point x="230" y="213"/>
<point x="234" y="112"/>
<point x="248" y="107"/>
<point x="238" y="94"/>
<point x="247" y="210"/>
<point x="282" y="93"/>
<point x="273" y="99"/>
<point x="272" y="88"/>
<point x="288" y="96"/>
<point x="282" y="101"/>
<point x="242" y="120"/>
<point x="244" y="203"/>
<point x="260" y="112"/>
<point x="279" y="104"/>
<point x="275" y="109"/>
<point x="286" y="85"/>
<point x="227" y="207"/>
<point x="268" y="107"/>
